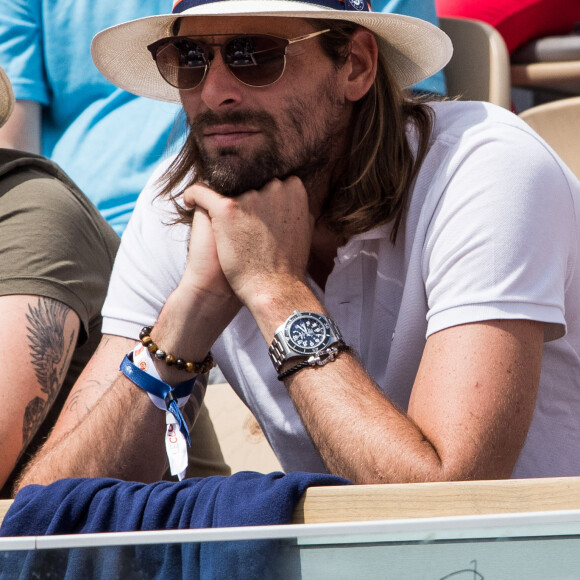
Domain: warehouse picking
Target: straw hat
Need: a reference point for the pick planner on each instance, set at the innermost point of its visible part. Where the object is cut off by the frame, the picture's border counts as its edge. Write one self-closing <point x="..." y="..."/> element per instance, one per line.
<point x="414" y="49"/>
<point x="6" y="98"/>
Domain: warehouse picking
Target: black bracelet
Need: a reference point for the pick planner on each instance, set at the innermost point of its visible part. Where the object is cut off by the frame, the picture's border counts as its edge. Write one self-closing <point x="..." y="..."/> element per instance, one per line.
<point x="332" y="353"/>
<point x="293" y="369"/>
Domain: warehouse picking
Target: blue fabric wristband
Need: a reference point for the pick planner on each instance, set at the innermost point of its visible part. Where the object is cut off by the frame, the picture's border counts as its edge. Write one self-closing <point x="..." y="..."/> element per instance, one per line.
<point x="160" y="389"/>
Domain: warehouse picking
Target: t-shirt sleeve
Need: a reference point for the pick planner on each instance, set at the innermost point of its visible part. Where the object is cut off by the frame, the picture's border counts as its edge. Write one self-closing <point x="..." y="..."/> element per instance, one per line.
<point x="21" y="49"/>
<point x="51" y="245"/>
<point x="504" y="235"/>
<point x="149" y="263"/>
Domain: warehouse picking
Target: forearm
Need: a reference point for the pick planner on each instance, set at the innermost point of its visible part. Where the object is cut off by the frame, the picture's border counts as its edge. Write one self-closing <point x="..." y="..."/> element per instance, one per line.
<point x="109" y="427"/>
<point x="470" y="407"/>
<point x="43" y="332"/>
<point x="121" y="437"/>
<point x="358" y="432"/>
<point x="188" y="326"/>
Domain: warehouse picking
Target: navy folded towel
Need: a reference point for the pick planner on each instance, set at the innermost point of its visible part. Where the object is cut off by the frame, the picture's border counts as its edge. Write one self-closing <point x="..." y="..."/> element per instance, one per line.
<point x="71" y="506"/>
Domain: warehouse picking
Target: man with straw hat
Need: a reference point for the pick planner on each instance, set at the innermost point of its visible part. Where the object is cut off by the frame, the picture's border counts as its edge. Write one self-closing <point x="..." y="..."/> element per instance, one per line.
<point x="391" y="286"/>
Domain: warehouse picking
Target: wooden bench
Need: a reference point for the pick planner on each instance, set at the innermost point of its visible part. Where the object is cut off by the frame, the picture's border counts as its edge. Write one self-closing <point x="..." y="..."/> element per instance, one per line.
<point x="426" y="500"/>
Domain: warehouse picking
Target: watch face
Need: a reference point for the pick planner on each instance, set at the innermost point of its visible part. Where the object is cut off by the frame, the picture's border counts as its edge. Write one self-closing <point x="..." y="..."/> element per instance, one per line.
<point x="308" y="333"/>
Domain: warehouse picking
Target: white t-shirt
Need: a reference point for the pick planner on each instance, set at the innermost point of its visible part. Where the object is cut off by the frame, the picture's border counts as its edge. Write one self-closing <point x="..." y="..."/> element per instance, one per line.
<point x="492" y="231"/>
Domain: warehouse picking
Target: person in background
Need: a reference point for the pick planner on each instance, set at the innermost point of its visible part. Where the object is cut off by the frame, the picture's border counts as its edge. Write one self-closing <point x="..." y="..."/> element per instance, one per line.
<point x="392" y="286"/>
<point x="56" y="256"/>
<point x="107" y="140"/>
<point x="424" y="9"/>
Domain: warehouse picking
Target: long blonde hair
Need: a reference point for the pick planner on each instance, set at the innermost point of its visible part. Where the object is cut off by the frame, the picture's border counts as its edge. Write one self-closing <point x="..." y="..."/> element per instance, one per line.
<point x="377" y="173"/>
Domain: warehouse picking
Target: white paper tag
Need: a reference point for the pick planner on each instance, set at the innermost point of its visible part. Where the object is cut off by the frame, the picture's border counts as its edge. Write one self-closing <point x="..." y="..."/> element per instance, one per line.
<point x="175" y="447"/>
<point x="175" y="443"/>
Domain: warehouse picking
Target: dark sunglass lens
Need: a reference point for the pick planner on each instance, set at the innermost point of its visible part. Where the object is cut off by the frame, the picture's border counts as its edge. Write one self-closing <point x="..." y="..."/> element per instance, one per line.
<point x="256" y="60"/>
<point x="182" y="63"/>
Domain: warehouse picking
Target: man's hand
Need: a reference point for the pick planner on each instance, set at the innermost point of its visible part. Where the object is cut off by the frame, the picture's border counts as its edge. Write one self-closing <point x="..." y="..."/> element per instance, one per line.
<point x="203" y="272"/>
<point x="262" y="237"/>
<point x="202" y="305"/>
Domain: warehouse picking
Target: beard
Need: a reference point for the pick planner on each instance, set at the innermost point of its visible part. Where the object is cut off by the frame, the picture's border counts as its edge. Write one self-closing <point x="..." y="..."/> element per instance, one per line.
<point x="299" y="143"/>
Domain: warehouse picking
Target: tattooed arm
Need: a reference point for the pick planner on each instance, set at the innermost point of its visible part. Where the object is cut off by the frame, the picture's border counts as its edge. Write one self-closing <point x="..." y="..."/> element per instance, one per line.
<point x="38" y="337"/>
<point x="118" y="437"/>
<point x="108" y="427"/>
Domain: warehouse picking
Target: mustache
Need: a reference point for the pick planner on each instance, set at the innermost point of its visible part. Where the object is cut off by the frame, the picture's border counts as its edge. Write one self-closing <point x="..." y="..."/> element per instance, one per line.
<point x="209" y="119"/>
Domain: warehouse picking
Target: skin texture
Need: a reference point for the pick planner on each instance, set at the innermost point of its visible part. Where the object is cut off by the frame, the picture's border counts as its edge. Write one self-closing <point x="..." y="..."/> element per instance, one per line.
<point x="22" y="130"/>
<point x="43" y="332"/>
<point x="474" y="394"/>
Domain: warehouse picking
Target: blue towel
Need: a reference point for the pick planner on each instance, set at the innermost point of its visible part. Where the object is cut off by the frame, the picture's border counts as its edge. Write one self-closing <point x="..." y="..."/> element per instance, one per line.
<point x="71" y="506"/>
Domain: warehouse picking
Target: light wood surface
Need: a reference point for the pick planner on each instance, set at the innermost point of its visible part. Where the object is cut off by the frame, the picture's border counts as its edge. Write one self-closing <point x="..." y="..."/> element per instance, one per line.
<point x="243" y="444"/>
<point x="4" y="505"/>
<point x="425" y="500"/>
<point x="545" y="73"/>
<point x="479" y="69"/>
<point x="558" y="122"/>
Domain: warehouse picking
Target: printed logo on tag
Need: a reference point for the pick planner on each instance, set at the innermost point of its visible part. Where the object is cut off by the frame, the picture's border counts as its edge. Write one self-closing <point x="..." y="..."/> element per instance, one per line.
<point x="171" y="436"/>
<point x="140" y="360"/>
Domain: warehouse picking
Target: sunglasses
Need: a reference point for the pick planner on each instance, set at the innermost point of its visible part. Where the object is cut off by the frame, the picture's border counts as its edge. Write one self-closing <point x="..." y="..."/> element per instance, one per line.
<point x="256" y="60"/>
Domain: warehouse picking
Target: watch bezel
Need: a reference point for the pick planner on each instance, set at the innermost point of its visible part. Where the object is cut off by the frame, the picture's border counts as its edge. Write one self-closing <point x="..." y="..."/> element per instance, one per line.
<point x="307" y="351"/>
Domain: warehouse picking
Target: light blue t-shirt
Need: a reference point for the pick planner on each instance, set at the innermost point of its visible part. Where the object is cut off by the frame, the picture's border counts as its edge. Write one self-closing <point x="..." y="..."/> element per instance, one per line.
<point x="424" y="9"/>
<point x="107" y="140"/>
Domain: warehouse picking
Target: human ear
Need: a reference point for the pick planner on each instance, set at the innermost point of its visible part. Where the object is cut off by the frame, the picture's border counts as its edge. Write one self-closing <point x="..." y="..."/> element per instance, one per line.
<point x="362" y="63"/>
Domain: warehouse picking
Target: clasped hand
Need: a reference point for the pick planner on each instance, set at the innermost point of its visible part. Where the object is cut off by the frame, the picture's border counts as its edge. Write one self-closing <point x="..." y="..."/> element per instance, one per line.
<point x="251" y="245"/>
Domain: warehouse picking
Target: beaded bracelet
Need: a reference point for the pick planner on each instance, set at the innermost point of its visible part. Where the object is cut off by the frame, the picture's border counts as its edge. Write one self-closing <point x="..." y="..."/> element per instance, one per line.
<point x="329" y="355"/>
<point x="170" y="360"/>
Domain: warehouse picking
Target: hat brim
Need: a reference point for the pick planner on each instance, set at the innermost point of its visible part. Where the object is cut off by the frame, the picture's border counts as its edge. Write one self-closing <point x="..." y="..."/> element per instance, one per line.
<point x="414" y="49"/>
<point x="6" y="98"/>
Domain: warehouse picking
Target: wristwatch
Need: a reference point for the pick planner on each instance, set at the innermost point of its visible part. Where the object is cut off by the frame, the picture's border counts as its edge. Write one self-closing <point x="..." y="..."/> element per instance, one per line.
<point x="305" y="335"/>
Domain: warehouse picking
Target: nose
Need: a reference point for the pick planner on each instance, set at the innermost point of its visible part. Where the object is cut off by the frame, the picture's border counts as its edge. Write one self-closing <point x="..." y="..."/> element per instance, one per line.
<point x="220" y="88"/>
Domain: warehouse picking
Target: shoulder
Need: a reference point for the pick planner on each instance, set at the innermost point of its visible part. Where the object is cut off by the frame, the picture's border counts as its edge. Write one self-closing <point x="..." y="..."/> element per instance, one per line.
<point x="32" y="186"/>
<point x="478" y="145"/>
<point x="39" y="202"/>
<point x="53" y="242"/>
<point x="497" y="210"/>
<point x="463" y="126"/>
<point x="456" y="119"/>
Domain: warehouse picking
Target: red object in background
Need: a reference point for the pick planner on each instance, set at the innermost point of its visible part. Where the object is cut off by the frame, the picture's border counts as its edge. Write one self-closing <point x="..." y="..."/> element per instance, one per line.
<point x="518" y="21"/>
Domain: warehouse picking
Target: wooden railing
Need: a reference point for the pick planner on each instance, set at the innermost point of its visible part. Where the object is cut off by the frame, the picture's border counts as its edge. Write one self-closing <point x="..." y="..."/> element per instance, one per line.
<point x="425" y="500"/>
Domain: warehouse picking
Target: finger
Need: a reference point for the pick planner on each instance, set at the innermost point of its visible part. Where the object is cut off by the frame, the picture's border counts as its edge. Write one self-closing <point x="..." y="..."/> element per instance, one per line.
<point x="195" y="192"/>
<point x="201" y="223"/>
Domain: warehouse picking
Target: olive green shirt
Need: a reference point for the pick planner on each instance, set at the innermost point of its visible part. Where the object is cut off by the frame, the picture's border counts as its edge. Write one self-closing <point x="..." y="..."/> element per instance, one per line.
<point x="53" y="243"/>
